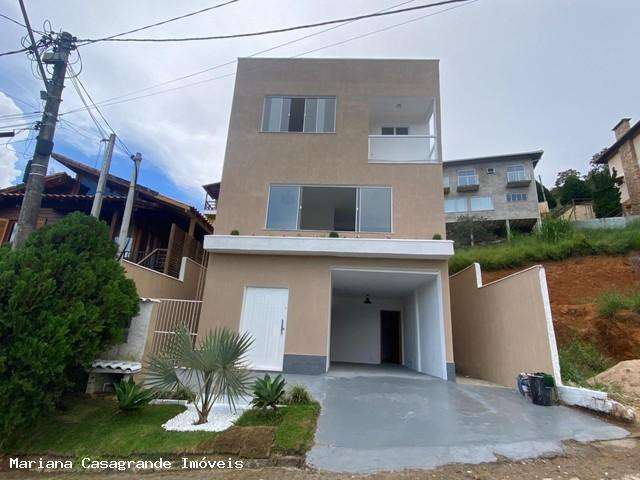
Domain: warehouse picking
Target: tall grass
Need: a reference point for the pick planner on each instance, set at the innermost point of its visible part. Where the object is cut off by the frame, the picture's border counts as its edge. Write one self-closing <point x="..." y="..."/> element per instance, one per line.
<point x="580" y="360"/>
<point x="554" y="243"/>
<point x="610" y="303"/>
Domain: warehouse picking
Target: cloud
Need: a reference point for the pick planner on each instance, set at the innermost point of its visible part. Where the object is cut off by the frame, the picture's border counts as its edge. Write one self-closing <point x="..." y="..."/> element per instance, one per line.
<point x="8" y="154"/>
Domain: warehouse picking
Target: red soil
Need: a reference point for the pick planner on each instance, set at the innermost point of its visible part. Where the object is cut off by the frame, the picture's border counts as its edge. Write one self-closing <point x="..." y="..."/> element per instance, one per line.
<point x="574" y="285"/>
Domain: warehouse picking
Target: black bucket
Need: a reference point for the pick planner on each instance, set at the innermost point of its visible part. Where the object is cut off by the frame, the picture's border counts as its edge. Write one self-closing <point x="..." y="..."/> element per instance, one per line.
<point x="541" y="392"/>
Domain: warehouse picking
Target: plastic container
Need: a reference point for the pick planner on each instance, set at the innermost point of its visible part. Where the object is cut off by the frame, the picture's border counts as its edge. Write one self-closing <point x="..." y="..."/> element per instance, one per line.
<point x="541" y="389"/>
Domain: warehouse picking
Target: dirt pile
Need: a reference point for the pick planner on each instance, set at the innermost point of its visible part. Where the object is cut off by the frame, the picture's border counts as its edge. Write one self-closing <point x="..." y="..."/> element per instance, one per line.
<point x="574" y="286"/>
<point x="625" y="376"/>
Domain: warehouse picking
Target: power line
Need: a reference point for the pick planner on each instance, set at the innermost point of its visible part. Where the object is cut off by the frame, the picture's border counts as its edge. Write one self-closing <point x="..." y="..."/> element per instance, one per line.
<point x="13" y="52"/>
<point x="115" y="101"/>
<point x="234" y="60"/>
<point x="278" y="30"/>
<point x="13" y="20"/>
<point x="111" y="37"/>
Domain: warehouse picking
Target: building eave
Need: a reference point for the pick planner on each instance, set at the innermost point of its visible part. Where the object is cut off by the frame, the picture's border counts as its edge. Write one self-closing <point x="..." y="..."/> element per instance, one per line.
<point x="613" y="149"/>
<point x="330" y="247"/>
<point x="534" y="156"/>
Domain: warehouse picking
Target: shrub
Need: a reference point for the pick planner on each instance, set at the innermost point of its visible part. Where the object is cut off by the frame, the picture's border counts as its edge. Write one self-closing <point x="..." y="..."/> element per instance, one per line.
<point x="179" y="393"/>
<point x="609" y="303"/>
<point x="437" y="236"/>
<point x="555" y="229"/>
<point x="216" y="362"/>
<point x="132" y="396"/>
<point x="298" y="395"/>
<point x="580" y="360"/>
<point x="234" y="232"/>
<point x="63" y="299"/>
<point x="267" y="393"/>
<point x="334" y="235"/>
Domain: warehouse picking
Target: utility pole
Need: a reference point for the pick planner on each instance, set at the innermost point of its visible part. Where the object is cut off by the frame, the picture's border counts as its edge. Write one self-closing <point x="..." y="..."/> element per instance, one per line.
<point x="104" y="173"/>
<point x="44" y="144"/>
<point x="128" y="206"/>
<point x="544" y="197"/>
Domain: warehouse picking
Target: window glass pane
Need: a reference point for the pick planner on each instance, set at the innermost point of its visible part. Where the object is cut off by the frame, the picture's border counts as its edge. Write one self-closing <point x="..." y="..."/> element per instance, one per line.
<point x="272" y="114"/>
<point x="481" y="203"/>
<point x="467" y="177"/>
<point x="310" y="114"/>
<point x="329" y="115"/>
<point x="515" y="168"/>
<point x="328" y="208"/>
<point x="402" y="130"/>
<point x="296" y="114"/>
<point x="455" y="205"/>
<point x="282" y="213"/>
<point x="284" y="117"/>
<point x="387" y="130"/>
<point x="375" y="210"/>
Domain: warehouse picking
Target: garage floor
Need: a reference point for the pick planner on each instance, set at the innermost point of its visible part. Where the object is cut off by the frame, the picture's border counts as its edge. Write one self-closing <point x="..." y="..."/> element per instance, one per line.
<point x="389" y="418"/>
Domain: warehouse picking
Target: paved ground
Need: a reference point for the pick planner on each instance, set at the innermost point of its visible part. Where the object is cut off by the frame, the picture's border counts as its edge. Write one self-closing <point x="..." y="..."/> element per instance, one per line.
<point x="377" y="419"/>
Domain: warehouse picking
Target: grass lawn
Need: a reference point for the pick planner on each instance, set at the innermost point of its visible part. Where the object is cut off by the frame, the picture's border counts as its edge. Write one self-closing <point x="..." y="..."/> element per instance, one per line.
<point x="527" y="249"/>
<point x="94" y="427"/>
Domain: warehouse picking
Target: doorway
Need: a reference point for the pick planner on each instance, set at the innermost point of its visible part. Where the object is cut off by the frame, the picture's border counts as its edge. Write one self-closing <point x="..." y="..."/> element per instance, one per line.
<point x="390" y="337"/>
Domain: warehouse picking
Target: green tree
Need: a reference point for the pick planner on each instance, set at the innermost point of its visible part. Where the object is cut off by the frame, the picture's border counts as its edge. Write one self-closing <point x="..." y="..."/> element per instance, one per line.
<point x="606" y="195"/>
<point x="551" y="199"/>
<point x="63" y="299"/>
<point x="572" y="187"/>
<point x="564" y="174"/>
<point x="470" y="230"/>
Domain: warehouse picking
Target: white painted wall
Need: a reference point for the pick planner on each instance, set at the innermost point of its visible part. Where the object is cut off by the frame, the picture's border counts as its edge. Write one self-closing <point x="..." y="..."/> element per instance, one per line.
<point x="431" y="330"/>
<point x="355" y="328"/>
<point x="410" y="332"/>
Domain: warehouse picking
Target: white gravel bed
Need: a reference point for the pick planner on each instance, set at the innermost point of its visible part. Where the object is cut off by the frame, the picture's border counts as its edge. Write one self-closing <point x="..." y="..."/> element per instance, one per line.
<point x="220" y="418"/>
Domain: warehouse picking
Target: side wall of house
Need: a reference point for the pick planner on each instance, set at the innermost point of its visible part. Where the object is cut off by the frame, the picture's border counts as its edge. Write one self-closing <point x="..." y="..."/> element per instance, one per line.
<point x="502" y="328"/>
<point x="153" y="284"/>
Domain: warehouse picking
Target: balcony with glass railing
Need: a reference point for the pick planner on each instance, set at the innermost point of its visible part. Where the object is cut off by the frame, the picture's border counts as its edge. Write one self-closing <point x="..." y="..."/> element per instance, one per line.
<point x="403" y="130"/>
<point x="468" y="183"/>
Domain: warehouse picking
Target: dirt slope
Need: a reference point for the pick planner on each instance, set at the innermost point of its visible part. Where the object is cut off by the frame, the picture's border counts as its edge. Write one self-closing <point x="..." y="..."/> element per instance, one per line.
<point x="574" y="285"/>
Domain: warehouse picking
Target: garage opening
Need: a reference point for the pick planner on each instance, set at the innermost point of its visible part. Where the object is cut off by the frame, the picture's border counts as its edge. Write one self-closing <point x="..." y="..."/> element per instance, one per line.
<point x="384" y="317"/>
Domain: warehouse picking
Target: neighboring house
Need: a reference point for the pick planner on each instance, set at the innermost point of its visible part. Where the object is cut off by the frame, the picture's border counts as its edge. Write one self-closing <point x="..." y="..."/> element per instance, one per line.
<point x="500" y="189"/>
<point x="624" y="157"/>
<point x="163" y="230"/>
<point x="324" y="147"/>
<point x="210" y="207"/>
<point x="578" y="210"/>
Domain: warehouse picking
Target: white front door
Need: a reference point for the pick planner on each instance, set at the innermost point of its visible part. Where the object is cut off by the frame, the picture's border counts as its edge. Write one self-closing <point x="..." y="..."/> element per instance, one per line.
<point x="264" y="317"/>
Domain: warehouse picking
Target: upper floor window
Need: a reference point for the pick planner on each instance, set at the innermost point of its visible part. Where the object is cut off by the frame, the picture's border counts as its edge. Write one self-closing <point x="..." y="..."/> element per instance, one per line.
<point x="395" y="130"/>
<point x="467" y="177"/>
<point x="479" y="204"/>
<point x="455" y="205"/>
<point x="333" y="208"/>
<point x="516" y="173"/>
<point x="299" y="114"/>
<point x="516" y="197"/>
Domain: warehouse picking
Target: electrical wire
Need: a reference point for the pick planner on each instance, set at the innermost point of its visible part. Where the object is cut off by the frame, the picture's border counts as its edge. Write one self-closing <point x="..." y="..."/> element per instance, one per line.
<point x="13" y="20"/>
<point x="115" y="101"/>
<point x="278" y="30"/>
<point x="111" y="37"/>
<point x="13" y="52"/>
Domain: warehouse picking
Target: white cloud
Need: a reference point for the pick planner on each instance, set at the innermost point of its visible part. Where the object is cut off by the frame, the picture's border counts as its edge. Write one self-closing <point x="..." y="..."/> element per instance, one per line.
<point x="8" y="153"/>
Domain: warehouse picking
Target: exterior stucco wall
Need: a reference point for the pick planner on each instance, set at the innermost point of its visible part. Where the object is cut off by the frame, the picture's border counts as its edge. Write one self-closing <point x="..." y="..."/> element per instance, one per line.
<point x="152" y="284"/>
<point x="309" y="282"/>
<point x="502" y="328"/>
<point x="616" y="163"/>
<point x="495" y="186"/>
<point x="255" y="159"/>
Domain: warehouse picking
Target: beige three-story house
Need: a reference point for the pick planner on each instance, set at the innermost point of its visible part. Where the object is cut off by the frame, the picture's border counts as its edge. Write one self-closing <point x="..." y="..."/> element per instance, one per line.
<point x="330" y="219"/>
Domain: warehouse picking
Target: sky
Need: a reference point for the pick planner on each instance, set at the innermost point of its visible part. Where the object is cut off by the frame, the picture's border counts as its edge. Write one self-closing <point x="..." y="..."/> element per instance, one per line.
<point x="516" y="75"/>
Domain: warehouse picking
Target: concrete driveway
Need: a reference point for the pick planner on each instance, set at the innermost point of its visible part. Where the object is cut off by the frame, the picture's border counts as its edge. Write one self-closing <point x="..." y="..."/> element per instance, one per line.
<point x="379" y="419"/>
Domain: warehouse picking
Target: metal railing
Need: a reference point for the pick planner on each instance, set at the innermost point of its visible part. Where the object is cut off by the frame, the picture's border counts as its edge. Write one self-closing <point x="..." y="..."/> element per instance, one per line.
<point x="171" y="315"/>
<point x="468" y="180"/>
<point x="518" y="176"/>
<point x="210" y="204"/>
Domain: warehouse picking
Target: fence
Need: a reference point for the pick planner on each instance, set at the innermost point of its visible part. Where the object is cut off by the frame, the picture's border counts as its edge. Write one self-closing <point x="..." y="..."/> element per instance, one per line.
<point x="172" y="314"/>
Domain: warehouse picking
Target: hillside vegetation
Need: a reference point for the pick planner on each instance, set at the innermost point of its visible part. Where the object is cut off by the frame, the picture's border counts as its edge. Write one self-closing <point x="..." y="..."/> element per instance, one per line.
<point x="557" y="240"/>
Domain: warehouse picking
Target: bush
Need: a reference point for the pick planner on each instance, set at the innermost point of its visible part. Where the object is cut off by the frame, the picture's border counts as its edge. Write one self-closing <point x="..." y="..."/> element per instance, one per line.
<point x="267" y="393"/>
<point x="63" y="299"/>
<point x="580" y="360"/>
<point x="437" y="236"/>
<point x="609" y="303"/>
<point x="234" y="232"/>
<point x="132" y="396"/>
<point x="179" y="393"/>
<point x="334" y="235"/>
<point x="555" y="229"/>
<point x="298" y="395"/>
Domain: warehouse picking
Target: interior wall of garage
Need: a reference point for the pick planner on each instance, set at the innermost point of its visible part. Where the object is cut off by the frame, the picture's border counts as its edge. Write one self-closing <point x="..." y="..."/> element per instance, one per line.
<point x="355" y="328"/>
<point x="410" y="331"/>
<point x="431" y="330"/>
<point x="502" y="328"/>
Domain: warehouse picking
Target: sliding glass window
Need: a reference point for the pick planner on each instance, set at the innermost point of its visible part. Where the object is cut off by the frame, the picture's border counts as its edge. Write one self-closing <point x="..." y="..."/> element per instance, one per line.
<point x="299" y="114"/>
<point x="331" y="208"/>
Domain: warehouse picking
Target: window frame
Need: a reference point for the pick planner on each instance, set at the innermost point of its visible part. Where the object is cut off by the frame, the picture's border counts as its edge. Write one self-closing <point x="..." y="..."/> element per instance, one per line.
<point x="395" y="130"/>
<point x="455" y="199"/>
<point x="475" y="174"/>
<point x="510" y="195"/>
<point x="519" y="167"/>
<point x="305" y="97"/>
<point x="299" y="214"/>
<point x="490" y="197"/>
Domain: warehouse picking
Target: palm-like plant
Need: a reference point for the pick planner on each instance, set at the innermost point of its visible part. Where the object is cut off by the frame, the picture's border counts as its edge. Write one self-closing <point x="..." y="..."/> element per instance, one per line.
<point x="268" y="392"/>
<point x="216" y="363"/>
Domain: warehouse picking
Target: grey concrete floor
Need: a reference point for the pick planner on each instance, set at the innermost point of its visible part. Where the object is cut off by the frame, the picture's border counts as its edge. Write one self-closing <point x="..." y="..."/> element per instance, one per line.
<point x="382" y="418"/>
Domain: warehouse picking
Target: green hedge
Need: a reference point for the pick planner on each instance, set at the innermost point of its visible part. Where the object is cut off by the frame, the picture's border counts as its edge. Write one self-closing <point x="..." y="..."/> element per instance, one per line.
<point x="63" y="299"/>
<point x="527" y="249"/>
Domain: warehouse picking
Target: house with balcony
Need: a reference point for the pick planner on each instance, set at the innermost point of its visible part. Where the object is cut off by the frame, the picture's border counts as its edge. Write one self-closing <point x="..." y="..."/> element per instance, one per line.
<point x="500" y="189"/>
<point x="326" y="214"/>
